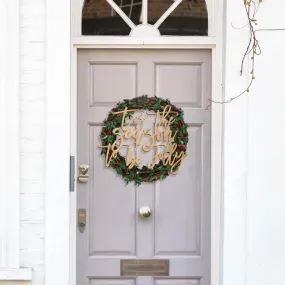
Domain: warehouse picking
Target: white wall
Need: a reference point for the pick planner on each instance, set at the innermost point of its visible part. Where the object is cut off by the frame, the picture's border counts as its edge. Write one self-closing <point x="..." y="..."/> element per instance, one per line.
<point x="235" y="150"/>
<point x="266" y="184"/>
<point x="32" y="136"/>
<point x="254" y="251"/>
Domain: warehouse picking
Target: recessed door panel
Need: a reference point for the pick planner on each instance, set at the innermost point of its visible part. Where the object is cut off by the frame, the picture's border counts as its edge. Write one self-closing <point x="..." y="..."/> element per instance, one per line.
<point x="184" y="190"/>
<point x="111" y="207"/>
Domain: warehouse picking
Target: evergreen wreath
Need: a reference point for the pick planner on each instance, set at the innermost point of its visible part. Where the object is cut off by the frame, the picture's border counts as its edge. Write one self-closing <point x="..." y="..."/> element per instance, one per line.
<point x="143" y="174"/>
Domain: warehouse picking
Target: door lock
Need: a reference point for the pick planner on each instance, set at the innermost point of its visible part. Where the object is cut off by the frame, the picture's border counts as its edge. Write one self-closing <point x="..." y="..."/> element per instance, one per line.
<point x="82" y="220"/>
<point x="83" y="176"/>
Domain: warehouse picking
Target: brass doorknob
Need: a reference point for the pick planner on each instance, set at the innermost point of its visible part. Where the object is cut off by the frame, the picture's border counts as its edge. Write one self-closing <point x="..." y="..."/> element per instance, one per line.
<point x="145" y="211"/>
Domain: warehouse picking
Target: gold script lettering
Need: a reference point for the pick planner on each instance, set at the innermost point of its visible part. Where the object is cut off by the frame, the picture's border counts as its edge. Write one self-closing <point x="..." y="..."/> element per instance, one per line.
<point x="147" y="140"/>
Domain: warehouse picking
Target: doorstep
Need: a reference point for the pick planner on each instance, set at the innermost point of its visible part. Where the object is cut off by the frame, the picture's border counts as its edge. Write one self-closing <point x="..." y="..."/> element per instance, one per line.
<point x="22" y="274"/>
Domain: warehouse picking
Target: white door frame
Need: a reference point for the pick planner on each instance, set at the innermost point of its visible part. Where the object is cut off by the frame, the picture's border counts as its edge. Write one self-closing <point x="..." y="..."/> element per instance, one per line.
<point x="61" y="80"/>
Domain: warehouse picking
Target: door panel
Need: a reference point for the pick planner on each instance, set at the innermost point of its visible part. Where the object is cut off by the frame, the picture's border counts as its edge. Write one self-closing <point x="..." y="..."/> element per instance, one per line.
<point x="179" y="227"/>
<point x="189" y="82"/>
<point x="111" y="207"/>
<point x="106" y="81"/>
<point x="184" y="190"/>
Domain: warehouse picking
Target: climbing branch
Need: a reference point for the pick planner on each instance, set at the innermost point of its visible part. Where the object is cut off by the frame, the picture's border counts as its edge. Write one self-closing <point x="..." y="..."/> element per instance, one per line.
<point x="253" y="49"/>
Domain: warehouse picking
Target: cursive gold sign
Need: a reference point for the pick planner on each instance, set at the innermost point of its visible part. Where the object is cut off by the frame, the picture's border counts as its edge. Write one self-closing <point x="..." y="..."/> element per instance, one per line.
<point x="160" y="140"/>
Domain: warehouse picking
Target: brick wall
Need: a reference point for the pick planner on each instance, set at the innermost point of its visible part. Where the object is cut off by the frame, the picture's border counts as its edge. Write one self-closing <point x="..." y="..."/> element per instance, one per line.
<point x="32" y="136"/>
<point x="100" y="8"/>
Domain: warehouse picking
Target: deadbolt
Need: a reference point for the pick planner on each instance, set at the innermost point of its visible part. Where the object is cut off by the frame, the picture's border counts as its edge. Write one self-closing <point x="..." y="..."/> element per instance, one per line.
<point x="83" y="176"/>
<point x="84" y="169"/>
<point x="81" y="220"/>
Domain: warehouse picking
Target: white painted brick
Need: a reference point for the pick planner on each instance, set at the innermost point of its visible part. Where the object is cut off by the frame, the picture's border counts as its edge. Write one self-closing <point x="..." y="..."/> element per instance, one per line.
<point x="33" y="22"/>
<point x="31" y="93"/>
<point x="32" y="207"/>
<point x="32" y="7"/>
<point x="32" y="175"/>
<point x="32" y="77"/>
<point x="33" y="50"/>
<point x="29" y="63"/>
<point x="33" y="35"/>
<point x="32" y="236"/>
<point x="39" y="274"/>
<point x="32" y="166"/>
<point x="35" y="106"/>
<point x="28" y="118"/>
<point x="32" y="137"/>
<point x="31" y="258"/>
<point x="31" y="28"/>
<point x="30" y="186"/>
<point x="32" y="161"/>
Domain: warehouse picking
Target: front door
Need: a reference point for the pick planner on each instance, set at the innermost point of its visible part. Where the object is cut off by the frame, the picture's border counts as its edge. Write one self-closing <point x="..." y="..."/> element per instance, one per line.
<point x="116" y="240"/>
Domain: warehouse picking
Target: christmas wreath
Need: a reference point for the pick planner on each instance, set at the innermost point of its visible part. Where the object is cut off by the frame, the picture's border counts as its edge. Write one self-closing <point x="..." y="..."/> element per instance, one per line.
<point x="164" y="167"/>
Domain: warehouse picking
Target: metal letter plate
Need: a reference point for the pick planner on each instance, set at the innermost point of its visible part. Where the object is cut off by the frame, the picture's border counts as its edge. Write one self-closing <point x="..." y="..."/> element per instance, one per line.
<point x="144" y="267"/>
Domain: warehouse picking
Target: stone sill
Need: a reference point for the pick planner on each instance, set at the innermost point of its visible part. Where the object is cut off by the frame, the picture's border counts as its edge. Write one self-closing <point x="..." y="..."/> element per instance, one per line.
<point x="22" y="274"/>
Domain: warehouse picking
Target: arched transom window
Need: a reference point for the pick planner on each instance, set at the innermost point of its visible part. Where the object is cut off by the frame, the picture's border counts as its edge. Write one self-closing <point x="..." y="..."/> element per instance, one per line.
<point x="150" y="18"/>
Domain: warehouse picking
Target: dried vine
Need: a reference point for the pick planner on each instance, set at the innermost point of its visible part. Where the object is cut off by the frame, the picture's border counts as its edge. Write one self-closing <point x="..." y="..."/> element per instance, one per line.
<point x="253" y="49"/>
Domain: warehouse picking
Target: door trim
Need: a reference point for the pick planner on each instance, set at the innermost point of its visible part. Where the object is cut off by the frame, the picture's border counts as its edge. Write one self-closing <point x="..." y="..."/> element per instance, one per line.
<point x="61" y="97"/>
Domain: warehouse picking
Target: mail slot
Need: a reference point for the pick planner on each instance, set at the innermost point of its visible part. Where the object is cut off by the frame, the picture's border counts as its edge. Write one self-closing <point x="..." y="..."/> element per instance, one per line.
<point x="144" y="267"/>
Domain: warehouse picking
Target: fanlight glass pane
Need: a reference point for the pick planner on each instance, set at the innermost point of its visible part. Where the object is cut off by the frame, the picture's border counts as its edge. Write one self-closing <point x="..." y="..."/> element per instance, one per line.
<point x="132" y="8"/>
<point x="189" y="18"/>
<point x="99" y="18"/>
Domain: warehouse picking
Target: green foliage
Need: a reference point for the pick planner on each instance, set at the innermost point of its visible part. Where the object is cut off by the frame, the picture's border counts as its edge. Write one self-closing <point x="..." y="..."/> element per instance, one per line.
<point x="135" y="174"/>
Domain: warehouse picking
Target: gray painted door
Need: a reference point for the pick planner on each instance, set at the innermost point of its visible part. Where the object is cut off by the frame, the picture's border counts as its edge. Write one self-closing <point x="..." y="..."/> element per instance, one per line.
<point x="179" y="227"/>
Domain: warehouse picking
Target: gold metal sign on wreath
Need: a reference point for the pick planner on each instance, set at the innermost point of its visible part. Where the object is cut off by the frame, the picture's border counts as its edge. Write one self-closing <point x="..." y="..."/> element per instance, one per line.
<point x="129" y="131"/>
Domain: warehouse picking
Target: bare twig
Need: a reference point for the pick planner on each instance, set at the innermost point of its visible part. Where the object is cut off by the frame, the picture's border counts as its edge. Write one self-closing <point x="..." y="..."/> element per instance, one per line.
<point x="270" y="30"/>
<point x="253" y="49"/>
